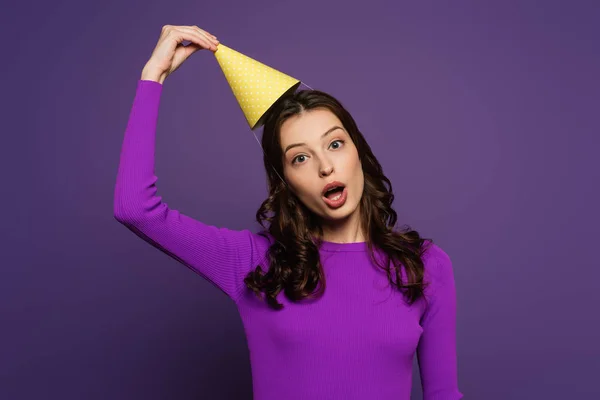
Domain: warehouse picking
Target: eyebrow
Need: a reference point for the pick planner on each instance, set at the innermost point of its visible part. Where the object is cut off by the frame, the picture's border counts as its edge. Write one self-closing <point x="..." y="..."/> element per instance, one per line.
<point x="333" y="128"/>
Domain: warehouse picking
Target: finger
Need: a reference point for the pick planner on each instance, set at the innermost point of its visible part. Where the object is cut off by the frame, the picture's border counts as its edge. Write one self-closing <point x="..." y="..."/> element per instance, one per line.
<point x="201" y="35"/>
<point x="192" y="36"/>
<point x="202" y="30"/>
<point x="209" y="37"/>
<point x="191" y="49"/>
<point x="213" y="38"/>
<point x="167" y="28"/>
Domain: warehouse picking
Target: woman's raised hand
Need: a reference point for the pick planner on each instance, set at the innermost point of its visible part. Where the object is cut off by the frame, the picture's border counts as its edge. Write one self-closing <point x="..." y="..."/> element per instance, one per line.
<point x="170" y="52"/>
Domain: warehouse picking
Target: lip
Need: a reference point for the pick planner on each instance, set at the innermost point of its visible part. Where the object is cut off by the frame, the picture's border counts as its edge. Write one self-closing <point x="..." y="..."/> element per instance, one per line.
<point x="335" y="204"/>
<point x="331" y="185"/>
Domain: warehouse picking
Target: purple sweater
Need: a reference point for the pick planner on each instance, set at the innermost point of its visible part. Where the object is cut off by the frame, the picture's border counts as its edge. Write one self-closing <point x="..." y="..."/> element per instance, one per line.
<point x="356" y="342"/>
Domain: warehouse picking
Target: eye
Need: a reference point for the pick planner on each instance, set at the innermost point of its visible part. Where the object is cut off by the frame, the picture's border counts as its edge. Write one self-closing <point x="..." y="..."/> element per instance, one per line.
<point x="294" y="161"/>
<point x="297" y="160"/>
<point x="335" y="141"/>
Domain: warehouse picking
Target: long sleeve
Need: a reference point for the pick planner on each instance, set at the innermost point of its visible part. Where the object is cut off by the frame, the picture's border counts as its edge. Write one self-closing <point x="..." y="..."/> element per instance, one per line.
<point x="220" y="255"/>
<point x="436" y="351"/>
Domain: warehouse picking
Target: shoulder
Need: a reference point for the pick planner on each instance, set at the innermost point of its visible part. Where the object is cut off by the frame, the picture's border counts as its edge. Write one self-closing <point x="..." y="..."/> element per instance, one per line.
<point x="261" y="242"/>
<point x="437" y="263"/>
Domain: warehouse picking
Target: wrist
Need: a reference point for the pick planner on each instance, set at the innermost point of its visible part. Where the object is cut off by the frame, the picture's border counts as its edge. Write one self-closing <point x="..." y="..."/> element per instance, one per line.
<point x="150" y="74"/>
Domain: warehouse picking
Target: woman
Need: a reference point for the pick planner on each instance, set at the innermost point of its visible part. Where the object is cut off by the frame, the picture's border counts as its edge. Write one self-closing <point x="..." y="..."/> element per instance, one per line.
<point x="328" y="224"/>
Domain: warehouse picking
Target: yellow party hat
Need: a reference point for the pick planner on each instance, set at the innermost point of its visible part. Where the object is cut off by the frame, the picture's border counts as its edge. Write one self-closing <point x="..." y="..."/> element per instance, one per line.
<point x="256" y="86"/>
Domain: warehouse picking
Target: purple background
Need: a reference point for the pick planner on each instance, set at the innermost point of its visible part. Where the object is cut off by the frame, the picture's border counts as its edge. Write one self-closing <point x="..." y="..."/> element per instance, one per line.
<point x="483" y="114"/>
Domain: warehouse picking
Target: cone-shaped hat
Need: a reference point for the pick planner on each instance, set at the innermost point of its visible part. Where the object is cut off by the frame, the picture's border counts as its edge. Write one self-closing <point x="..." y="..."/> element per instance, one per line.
<point x="256" y="86"/>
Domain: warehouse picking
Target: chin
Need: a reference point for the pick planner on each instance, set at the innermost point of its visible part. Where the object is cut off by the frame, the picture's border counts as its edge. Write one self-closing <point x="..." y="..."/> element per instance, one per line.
<point x="341" y="213"/>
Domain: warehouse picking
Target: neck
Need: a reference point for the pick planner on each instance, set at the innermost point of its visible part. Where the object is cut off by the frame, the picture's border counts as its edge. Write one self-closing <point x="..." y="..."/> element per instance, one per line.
<point x="347" y="230"/>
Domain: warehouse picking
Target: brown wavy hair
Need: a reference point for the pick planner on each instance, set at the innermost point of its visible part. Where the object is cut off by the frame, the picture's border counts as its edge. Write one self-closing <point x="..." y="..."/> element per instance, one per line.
<point x="295" y="232"/>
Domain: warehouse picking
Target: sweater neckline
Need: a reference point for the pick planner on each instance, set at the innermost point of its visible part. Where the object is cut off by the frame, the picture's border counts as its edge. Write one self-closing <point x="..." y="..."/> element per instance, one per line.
<point x="336" y="246"/>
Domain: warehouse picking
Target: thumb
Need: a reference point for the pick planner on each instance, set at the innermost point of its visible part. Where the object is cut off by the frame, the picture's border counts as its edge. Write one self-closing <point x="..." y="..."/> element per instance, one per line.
<point x="191" y="48"/>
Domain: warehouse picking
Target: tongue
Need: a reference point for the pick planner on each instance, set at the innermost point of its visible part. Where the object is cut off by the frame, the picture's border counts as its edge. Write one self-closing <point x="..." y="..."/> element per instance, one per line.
<point x="334" y="192"/>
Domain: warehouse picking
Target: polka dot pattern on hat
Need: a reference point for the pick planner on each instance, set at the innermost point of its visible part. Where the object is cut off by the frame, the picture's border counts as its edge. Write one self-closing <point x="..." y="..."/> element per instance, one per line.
<point x="256" y="86"/>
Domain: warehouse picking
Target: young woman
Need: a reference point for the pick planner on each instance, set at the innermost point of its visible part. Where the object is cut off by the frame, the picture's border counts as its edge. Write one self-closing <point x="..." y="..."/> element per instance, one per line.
<point x="335" y="302"/>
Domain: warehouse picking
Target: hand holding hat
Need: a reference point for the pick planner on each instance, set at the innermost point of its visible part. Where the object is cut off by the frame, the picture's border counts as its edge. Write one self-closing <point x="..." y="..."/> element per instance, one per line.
<point x="170" y="52"/>
<point x="256" y="86"/>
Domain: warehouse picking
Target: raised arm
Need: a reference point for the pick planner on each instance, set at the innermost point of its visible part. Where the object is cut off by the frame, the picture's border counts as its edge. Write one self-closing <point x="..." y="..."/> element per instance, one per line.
<point x="436" y="351"/>
<point x="220" y="255"/>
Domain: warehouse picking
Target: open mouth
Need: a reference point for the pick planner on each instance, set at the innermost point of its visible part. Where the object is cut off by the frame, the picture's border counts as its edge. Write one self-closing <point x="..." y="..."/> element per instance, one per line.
<point x="334" y="193"/>
<point x="335" y="196"/>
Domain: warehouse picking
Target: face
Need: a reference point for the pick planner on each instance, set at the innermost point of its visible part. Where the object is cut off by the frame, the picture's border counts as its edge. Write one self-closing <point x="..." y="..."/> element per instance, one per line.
<point x="317" y="151"/>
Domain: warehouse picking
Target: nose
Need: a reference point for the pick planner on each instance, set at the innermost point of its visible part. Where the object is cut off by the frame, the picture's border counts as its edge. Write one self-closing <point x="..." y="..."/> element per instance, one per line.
<point x="326" y="168"/>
